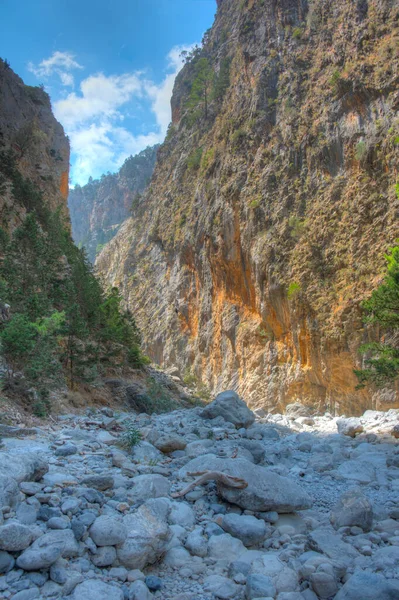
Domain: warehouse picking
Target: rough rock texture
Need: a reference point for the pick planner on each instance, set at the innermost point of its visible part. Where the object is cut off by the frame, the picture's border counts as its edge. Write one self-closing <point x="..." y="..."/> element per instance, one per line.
<point x="98" y="208"/>
<point x="265" y="491"/>
<point x="249" y="262"/>
<point x="229" y="406"/>
<point x="28" y="127"/>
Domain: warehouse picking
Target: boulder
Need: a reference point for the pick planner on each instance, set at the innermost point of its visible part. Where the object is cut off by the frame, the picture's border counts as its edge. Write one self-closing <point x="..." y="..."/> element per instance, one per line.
<point x="167" y="442"/>
<point x="147" y="535"/>
<point x="14" y="537"/>
<point x="266" y="491"/>
<point x="94" y="589"/>
<point x="148" y="486"/>
<point x="248" y="529"/>
<point x="229" y="406"/>
<point x="349" y="427"/>
<point x="107" y="531"/>
<point x="104" y="557"/>
<point x="221" y="587"/>
<point x="225" y="547"/>
<point x="359" y="471"/>
<point x="326" y="541"/>
<point x="259" y="586"/>
<point x="146" y="453"/>
<point x="41" y="554"/>
<point x="367" y="586"/>
<point x="352" y="509"/>
<point x="25" y="466"/>
<point x="99" y="482"/>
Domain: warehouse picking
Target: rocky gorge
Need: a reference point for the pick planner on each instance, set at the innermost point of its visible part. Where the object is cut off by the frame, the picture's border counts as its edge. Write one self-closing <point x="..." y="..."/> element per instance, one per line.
<point x="272" y="204"/>
<point x="205" y="503"/>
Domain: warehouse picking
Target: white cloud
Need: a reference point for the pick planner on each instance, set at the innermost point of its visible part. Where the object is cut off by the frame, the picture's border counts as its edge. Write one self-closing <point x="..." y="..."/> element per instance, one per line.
<point x="59" y="63"/>
<point x="93" y="116"/>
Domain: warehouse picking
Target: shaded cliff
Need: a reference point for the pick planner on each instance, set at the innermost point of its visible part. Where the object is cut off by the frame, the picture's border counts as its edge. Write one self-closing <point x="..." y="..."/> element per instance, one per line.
<point x="272" y="203"/>
<point x="99" y="207"/>
<point x="38" y="142"/>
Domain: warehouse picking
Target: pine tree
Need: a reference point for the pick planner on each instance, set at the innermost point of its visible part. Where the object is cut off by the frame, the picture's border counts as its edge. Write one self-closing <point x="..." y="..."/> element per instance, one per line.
<point x="201" y="86"/>
<point x="382" y="310"/>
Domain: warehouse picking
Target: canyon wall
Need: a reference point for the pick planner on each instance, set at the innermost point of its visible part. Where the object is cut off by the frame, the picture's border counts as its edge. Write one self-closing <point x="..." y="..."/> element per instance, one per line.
<point x="272" y="203"/>
<point x="41" y="149"/>
<point x="99" y="207"/>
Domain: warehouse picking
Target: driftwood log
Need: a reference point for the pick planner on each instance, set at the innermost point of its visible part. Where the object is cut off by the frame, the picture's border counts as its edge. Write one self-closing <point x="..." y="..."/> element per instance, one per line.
<point x="205" y="476"/>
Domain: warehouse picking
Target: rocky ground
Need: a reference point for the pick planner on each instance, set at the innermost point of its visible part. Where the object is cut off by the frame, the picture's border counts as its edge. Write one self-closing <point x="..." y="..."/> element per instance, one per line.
<point x="290" y="507"/>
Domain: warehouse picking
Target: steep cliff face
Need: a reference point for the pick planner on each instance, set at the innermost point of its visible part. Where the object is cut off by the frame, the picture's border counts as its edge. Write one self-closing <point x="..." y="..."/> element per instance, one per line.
<point x="41" y="149"/>
<point x="272" y="203"/>
<point x="98" y="208"/>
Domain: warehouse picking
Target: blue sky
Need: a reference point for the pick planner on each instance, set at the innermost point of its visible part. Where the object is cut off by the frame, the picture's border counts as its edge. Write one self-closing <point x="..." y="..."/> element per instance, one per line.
<point x="109" y="67"/>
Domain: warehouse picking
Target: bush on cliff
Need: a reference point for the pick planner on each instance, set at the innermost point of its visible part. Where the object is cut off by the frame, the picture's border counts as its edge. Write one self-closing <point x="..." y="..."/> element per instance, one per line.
<point x="382" y="310"/>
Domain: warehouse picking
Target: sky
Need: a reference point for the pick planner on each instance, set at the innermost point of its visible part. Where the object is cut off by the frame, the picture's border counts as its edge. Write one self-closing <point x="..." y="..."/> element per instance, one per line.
<point x="109" y="67"/>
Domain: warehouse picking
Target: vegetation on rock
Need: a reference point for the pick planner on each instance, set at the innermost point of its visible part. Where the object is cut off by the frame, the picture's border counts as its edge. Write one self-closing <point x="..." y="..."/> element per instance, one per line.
<point x="382" y="311"/>
<point x="63" y="326"/>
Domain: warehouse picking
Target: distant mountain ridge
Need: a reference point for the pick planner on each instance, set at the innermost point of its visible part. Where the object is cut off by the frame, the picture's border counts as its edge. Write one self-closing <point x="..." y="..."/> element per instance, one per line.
<point x="99" y="208"/>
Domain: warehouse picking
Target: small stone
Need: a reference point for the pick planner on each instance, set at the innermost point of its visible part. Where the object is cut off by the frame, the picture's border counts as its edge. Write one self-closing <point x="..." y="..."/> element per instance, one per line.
<point x="104" y="557"/>
<point x="99" y="482"/>
<point x="66" y="450"/>
<point x="153" y="583"/>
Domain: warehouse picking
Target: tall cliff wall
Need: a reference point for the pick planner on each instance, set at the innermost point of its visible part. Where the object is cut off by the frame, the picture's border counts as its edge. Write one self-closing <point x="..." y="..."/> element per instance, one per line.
<point x="268" y="215"/>
<point x="100" y="207"/>
<point x="38" y="141"/>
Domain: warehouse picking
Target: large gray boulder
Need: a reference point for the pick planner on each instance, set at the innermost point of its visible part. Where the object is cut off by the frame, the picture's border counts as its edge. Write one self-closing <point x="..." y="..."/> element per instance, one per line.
<point x="352" y="509"/>
<point x="265" y="491"/>
<point x="326" y="541"/>
<point x="41" y="554"/>
<point x="25" y="466"/>
<point x="367" y="586"/>
<point x="94" y="589"/>
<point x="147" y="535"/>
<point x="350" y="427"/>
<point x="229" y="406"/>
<point x="248" y="529"/>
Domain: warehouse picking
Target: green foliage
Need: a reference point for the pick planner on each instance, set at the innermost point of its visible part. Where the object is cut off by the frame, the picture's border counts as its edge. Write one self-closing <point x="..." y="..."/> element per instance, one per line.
<point x="361" y="150"/>
<point x="207" y="159"/>
<point x="293" y="291"/>
<point x="237" y="138"/>
<point x="222" y="80"/>
<point x="397" y="189"/>
<point x="297" y="33"/>
<point x="194" y="159"/>
<point x="297" y="226"/>
<point x="201" y="87"/>
<point x="130" y="437"/>
<point x="63" y="325"/>
<point x="382" y="310"/>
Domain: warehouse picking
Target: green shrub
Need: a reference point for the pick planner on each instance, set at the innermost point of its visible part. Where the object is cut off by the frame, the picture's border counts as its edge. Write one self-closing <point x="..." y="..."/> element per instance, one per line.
<point x="130" y="437"/>
<point x="297" y="226"/>
<point x="382" y="310"/>
<point x="238" y="137"/>
<point x="361" y="151"/>
<point x="293" y="290"/>
<point x="194" y="159"/>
